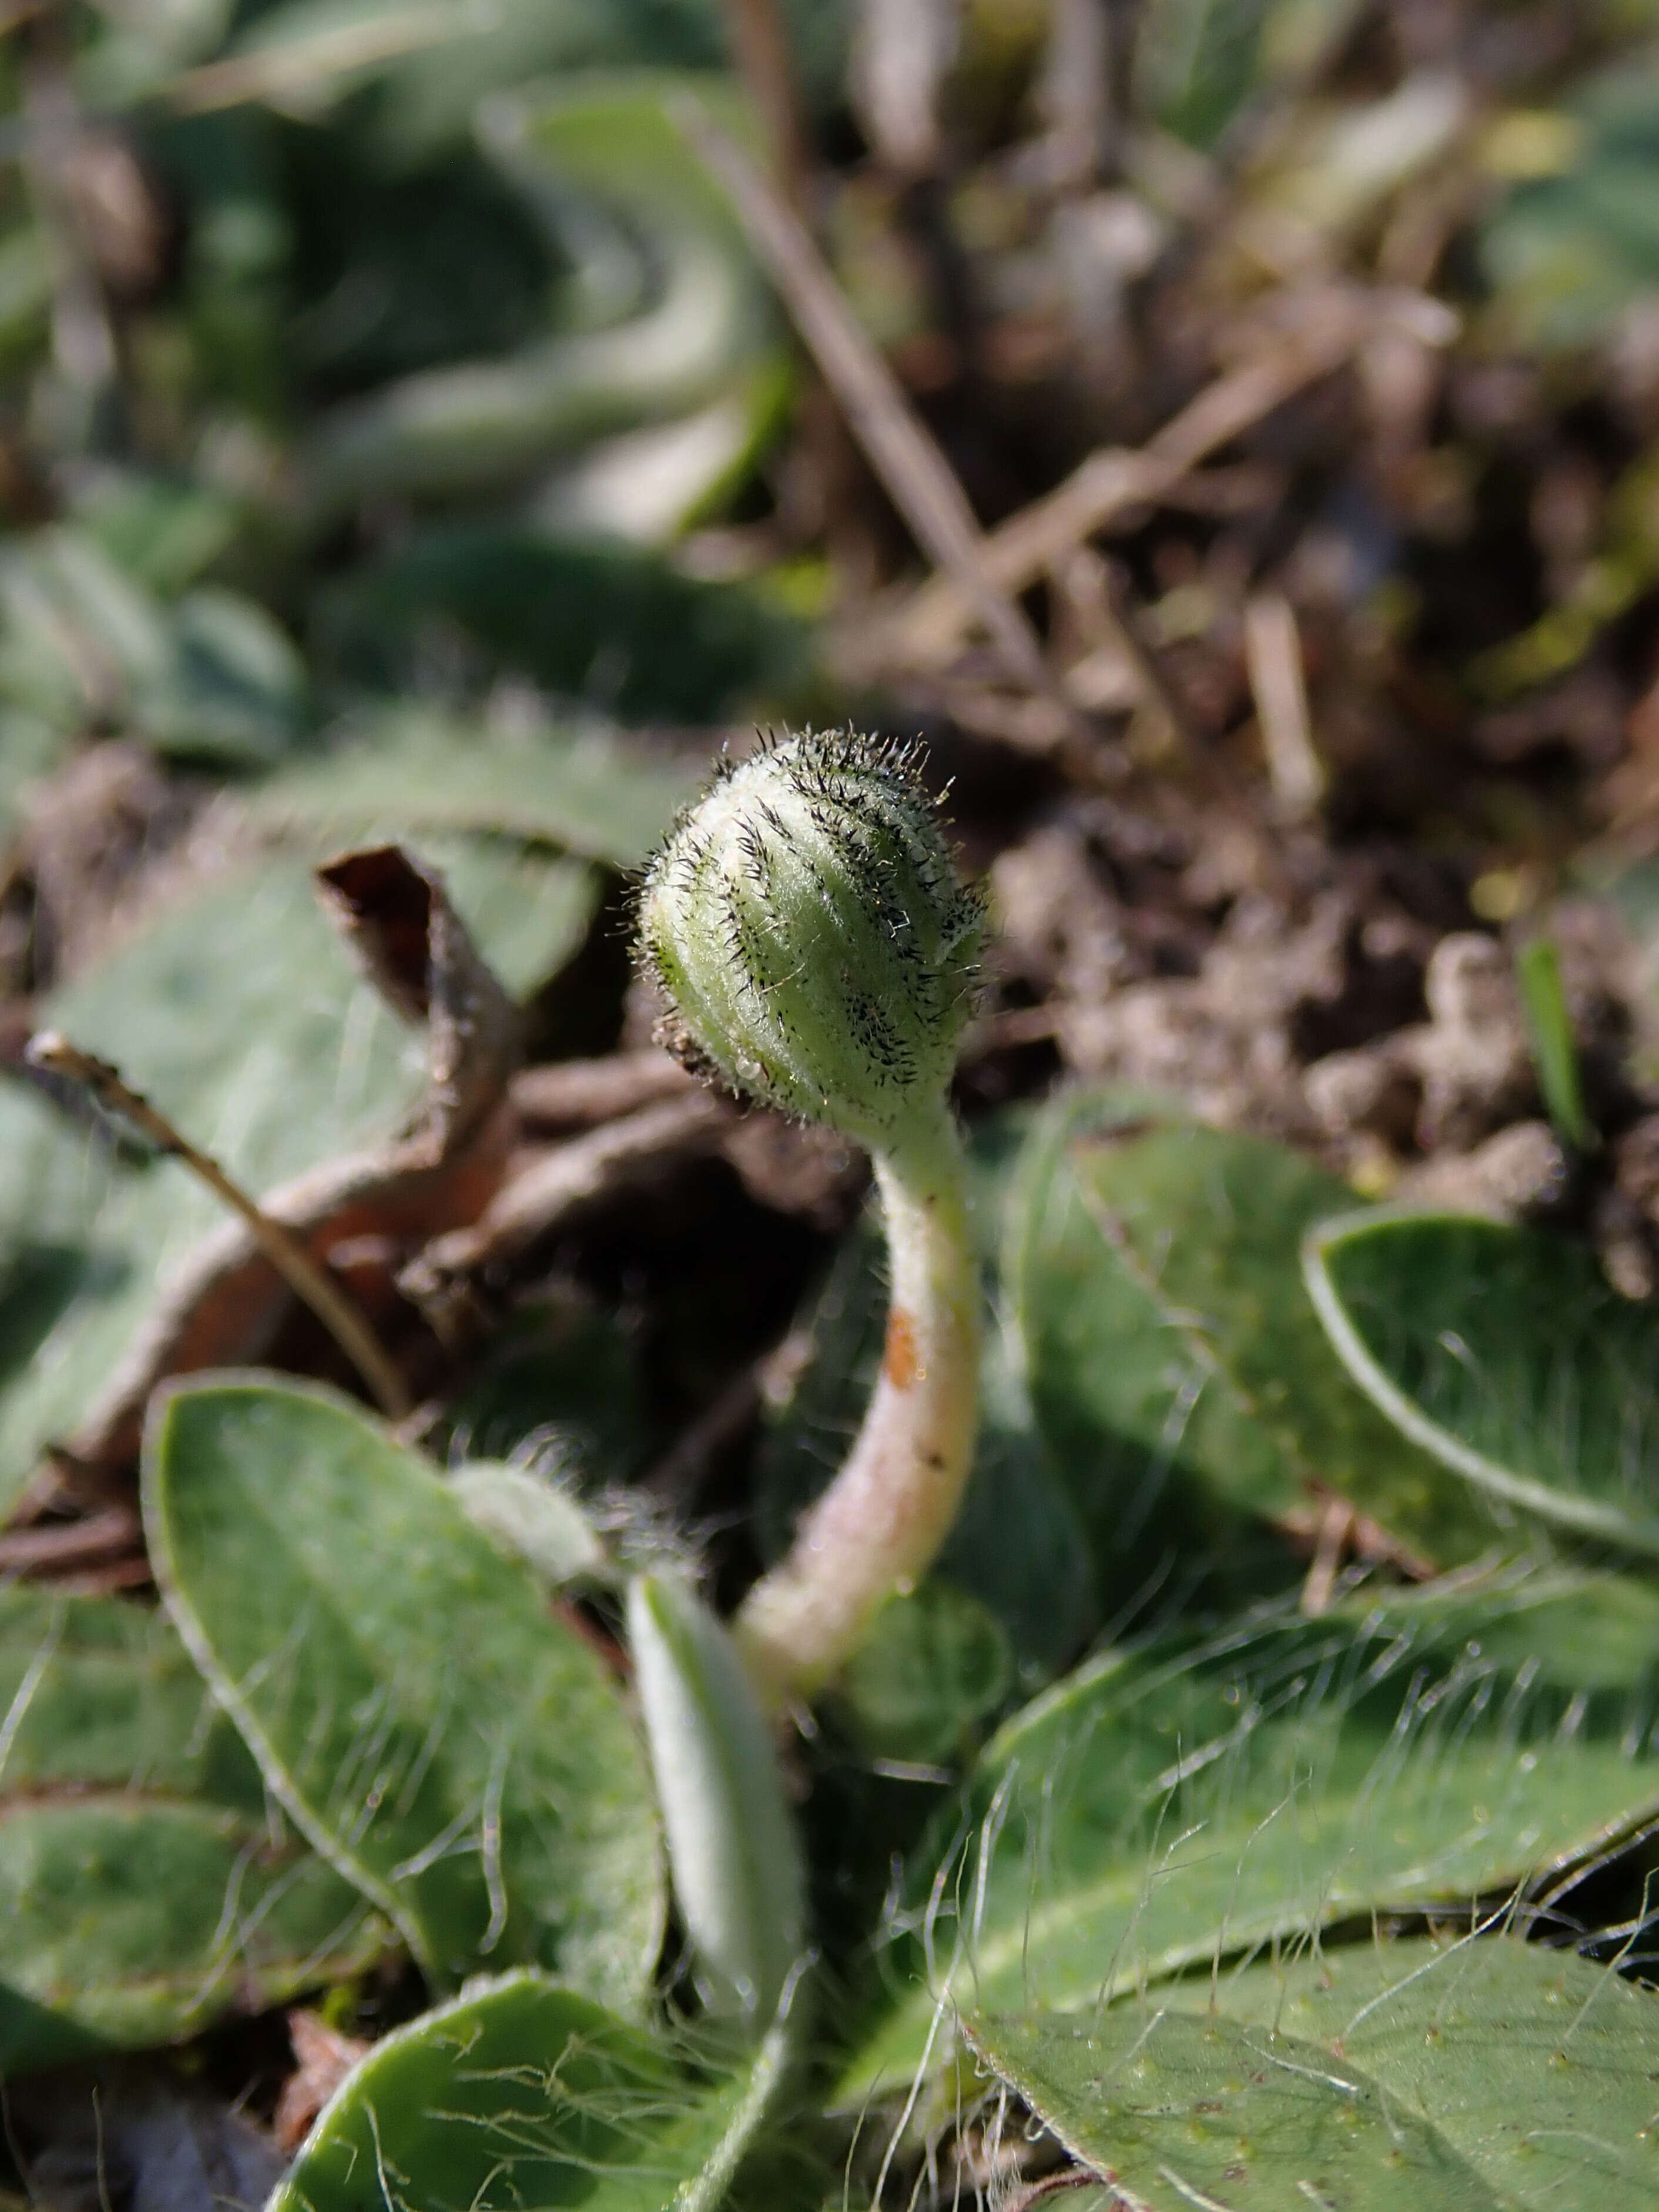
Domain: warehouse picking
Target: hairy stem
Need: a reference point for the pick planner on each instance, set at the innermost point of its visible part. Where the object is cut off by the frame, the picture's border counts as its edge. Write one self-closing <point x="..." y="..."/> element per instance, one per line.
<point x="878" y="1525"/>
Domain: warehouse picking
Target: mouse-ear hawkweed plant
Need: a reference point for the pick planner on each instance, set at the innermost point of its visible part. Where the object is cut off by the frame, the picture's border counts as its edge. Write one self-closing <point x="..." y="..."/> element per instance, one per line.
<point x="818" y="953"/>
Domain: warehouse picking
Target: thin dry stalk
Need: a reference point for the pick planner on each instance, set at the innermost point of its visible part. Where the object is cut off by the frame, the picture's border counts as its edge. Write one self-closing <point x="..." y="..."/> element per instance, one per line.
<point x="1272" y="655"/>
<point x="60" y="1547"/>
<point x="1075" y="92"/>
<point x="1116" y="480"/>
<point x="302" y="1273"/>
<point x="1157" y="692"/>
<point x="919" y="480"/>
<point x="760" y="45"/>
<point x="82" y="335"/>
<point x="298" y="68"/>
<point x="579" y="1094"/>
<point x="684" y="1467"/>
<point x="1335" y="1531"/>
<point x="555" y="1185"/>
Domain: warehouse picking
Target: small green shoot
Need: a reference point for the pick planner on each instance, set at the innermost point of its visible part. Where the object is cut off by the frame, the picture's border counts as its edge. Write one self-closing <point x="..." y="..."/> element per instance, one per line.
<point x="1554" y="1049"/>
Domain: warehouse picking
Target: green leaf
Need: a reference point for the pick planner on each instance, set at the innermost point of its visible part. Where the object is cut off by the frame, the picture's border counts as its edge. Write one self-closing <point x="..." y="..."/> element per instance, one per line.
<point x="734" y="1854"/>
<point x="524" y="2094"/>
<point x="1506" y="1353"/>
<point x="1178" y="1373"/>
<point x="80" y="638"/>
<point x="146" y="1884"/>
<point x="666" y="311"/>
<point x="163" y="532"/>
<point x="99" y="1694"/>
<point x="1197" y="63"/>
<point x="1568" y="253"/>
<point x="648" y="487"/>
<point x="458" y="1753"/>
<point x="1554" y="1049"/>
<point x="1181" y="2110"/>
<point x="1484" y="2073"/>
<point x="582" y="619"/>
<point x="1176" y="1802"/>
<point x="233" y="688"/>
<point x="410" y="769"/>
<point x="129" y="1923"/>
<point x="934" y="1665"/>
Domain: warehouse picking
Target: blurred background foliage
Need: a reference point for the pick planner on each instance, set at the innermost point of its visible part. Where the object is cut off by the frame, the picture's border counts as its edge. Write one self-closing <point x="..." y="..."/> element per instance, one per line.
<point x="408" y="350"/>
<point x="403" y="437"/>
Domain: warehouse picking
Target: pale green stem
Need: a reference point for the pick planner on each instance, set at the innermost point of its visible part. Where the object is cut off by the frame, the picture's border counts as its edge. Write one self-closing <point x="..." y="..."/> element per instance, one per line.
<point x="877" y="1528"/>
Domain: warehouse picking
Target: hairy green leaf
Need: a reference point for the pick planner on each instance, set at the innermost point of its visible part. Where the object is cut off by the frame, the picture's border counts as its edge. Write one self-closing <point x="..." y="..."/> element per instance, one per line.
<point x="585" y="619"/>
<point x="146" y="1882"/>
<point x="1483" y="2073"/>
<point x="412" y="767"/>
<point x="524" y="2094"/>
<point x="1181" y="2110"/>
<point x="130" y="1922"/>
<point x="1188" y="1798"/>
<point x="1506" y="1353"/>
<point x="1179" y="1375"/>
<point x="458" y="1752"/>
<point x="212" y="676"/>
<point x="99" y="1694"/>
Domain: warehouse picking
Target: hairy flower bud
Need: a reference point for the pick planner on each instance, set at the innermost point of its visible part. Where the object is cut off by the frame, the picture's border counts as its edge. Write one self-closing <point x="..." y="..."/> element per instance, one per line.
<point x="818" y="953"/>
<point x="807" y="928"/>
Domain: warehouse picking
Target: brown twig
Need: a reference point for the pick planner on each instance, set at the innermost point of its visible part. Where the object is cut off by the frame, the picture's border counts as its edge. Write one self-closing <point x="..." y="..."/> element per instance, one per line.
<point x="293" y="70"/>
<point x="1053" y="2186"/>
<point x="918" y="479"/>
<point x="683" y="1468"/>
<point x="1272" y="655"/>
<point x="578" y="1094"/>
<point x="1157" y="691"/>
<point x="302" y="1273"/>
<point x="555" y="1185"/>
<point x="61" y="1546"/>
<point x="761" y="46"/>
<point x="1115" y="480"/>
<point x="82" y="335"/>
<point x="1331" y="1540"/>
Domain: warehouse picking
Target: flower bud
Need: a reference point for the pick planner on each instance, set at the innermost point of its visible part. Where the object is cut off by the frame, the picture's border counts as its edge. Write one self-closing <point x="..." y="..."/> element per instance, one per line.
<point x="807" y="926"/>
<point x="733" y="1849"/>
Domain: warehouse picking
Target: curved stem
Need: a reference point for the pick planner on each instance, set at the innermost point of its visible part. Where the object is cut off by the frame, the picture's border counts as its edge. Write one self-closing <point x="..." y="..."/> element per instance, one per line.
<point x="878" y="1525"/>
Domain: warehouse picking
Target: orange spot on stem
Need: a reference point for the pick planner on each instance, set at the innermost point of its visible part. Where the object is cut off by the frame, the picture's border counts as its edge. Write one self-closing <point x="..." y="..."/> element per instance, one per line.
<point x="898" y="1362"/>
